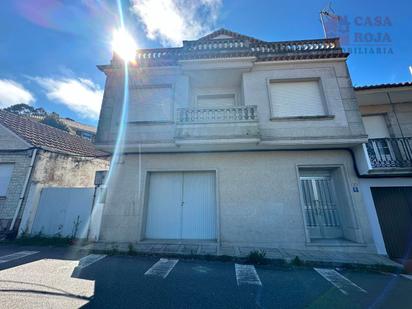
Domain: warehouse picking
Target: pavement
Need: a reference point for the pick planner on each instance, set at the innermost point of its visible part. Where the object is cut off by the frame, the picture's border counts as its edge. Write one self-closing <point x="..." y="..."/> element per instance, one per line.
<point x="47" y="277"/>
<point x="331" y="257"/>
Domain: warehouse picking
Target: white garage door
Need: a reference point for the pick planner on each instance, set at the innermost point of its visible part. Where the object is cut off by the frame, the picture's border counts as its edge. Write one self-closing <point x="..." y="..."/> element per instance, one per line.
<point x="181" y="205"/>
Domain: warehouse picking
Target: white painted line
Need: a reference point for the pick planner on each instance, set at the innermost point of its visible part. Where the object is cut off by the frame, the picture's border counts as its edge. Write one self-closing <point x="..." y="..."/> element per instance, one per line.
<point x="339" y="281"/>
<point x="90" y="259"/>
<point x="246" y="274"/>
<point x="16" y="255"/>
<point x="87" y="261"/>
<point x="409" y="277"/>
<point x="161" y="268"/>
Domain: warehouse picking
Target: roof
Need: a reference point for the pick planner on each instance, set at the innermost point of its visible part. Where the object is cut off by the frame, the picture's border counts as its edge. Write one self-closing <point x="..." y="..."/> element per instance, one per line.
<point x="224" y="43"/>
<point x="78" y="125"/>
<point x="47" y="137"/>
<point x="380" y="86"/>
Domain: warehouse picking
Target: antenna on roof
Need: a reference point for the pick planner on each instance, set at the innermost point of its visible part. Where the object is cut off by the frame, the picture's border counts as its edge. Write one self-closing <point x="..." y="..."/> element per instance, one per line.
<point x="330" y="13"/>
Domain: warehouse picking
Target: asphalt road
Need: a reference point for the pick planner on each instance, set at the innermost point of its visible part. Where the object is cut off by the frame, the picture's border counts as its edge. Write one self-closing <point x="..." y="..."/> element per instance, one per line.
<point x="41" y="277"/>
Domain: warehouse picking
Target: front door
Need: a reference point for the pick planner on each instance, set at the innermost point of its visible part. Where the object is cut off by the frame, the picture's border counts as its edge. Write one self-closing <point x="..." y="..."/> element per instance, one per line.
<point x="322" y="218"/>
<point x="181" y="205"/>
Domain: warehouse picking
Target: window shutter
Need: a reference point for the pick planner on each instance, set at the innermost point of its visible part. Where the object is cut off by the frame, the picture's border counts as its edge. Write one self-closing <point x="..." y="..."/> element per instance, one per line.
<point x="296" y="98"/>
<point x="218" y="100"/>
<point x="375" y="126"/>
<point x="5" y="176"/>
<point x="151" y="104"/>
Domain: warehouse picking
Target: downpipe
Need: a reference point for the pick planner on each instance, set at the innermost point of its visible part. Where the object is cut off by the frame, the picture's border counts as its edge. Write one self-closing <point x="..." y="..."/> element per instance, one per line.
<point x="23" y="191"/>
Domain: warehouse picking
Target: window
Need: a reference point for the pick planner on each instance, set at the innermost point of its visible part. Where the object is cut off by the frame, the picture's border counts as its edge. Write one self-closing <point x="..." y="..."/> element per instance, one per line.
<point x="5" y="176"/>
<point x="375" y="126"/>
<point x="151" y="103"/>
<point x="296" y="98"/>
<point x="216" y="100"/>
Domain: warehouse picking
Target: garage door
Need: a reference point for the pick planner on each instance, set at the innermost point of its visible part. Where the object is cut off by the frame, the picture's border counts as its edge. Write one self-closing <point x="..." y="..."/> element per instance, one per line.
<point x="181" y="205"/>
<point x="394" y="208"/>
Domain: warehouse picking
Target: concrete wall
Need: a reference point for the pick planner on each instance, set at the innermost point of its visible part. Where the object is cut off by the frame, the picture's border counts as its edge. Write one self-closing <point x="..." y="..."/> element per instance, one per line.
<point x="250" y="79"/>
<point x="394" y="103"/>
<point x="338" y="92"/>
<point x="57" y="170"/>
<point x="258" y="196"/>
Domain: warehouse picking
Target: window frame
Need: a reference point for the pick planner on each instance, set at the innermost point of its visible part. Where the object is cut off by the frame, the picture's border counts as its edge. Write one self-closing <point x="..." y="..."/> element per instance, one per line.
<point x="335" y="170"/>
<point x="12" y="164"/>
<point x="154" y="86"/>
<point x="326" y="115"/>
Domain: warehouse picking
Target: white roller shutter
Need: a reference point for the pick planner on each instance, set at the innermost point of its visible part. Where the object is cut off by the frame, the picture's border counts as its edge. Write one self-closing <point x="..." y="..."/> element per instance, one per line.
<point x="375" y="126"/>
<point x="151" y="103"/>
<point x="296" y="98"/>
<point x="5" y="175"/>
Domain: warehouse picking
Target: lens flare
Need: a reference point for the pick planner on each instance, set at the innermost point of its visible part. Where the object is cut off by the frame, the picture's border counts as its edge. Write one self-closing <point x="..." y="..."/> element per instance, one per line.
<point x="124" y="45"/>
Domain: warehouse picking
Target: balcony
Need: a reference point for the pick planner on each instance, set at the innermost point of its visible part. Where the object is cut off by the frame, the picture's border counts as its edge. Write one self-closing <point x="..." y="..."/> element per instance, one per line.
<point x="385" y="156"/>
<point x="213" y="115"/>
<point x="235" y="124"/>
<point x="390" y="152"/>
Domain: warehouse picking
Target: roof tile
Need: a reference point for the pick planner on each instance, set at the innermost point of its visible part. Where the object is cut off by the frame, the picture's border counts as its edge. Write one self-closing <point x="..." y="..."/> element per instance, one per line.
<point x="47" y="137"/>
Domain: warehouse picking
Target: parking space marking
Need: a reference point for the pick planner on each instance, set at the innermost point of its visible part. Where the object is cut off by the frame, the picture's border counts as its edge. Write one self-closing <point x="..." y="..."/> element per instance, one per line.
<point x="409" y="277"/>
<point x="246" y="274"/>
<point x="87" y="261"/>
<point x="339" y="281"/>
<point x="161" y="268"/>
<point x="16" y="255"/>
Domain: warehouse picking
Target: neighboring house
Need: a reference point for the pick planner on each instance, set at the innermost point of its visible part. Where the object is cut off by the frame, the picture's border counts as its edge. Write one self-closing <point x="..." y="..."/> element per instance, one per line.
<point x="34" y="155"/>
<point x="83" y="130"/>
<point x="385" y="165"/>
<point x="234" y="140"/>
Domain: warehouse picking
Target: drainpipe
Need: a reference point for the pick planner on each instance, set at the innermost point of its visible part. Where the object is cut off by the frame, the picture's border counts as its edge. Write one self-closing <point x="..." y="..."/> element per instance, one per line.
<point x="23" y="191"/>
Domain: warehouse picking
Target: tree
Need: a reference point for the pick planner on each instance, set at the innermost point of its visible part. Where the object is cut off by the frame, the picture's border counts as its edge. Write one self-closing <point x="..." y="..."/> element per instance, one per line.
<point x="27" y="110"/>
<point x="20" y="109"/>
<point x="53" y="120"/>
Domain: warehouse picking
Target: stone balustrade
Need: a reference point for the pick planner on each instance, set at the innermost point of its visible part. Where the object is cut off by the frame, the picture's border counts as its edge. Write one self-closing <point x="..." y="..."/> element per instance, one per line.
<point x="212" y="115"/>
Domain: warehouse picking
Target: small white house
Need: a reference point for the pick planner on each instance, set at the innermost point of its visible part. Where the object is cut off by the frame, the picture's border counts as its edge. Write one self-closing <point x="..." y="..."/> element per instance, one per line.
<point x="234" y="140"/>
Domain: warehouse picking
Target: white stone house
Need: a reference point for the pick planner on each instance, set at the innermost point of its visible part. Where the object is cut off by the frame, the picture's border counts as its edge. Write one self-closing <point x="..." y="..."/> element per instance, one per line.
<point x="236" y="141"/>
<point x="33" y="156"/>
<point x="385" y="165"/>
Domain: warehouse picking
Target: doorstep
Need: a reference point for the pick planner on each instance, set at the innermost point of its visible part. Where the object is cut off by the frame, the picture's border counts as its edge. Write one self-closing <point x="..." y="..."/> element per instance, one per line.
<point x="308" y="256"/>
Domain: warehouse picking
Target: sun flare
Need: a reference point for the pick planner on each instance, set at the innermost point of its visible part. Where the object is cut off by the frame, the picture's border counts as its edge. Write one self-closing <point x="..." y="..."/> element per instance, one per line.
<point x="124" y="45"/>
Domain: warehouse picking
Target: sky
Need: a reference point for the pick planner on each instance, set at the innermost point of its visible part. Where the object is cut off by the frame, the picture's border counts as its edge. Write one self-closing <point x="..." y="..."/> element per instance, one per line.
<point x="49" y="49"/>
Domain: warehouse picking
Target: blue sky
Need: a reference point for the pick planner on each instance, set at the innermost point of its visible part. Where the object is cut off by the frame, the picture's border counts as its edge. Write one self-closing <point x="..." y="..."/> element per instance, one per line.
<point x="49" y="49"/>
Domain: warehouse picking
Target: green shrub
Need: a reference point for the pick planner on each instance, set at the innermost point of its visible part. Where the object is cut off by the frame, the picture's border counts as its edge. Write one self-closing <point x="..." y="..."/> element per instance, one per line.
<point x="257" y="257"/>
<point x="297" y="261"/>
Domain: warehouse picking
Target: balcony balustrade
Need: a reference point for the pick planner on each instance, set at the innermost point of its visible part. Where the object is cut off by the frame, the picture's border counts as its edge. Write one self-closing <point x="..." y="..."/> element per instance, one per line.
<point x="390" y="152"/>
<point x="213" y="115"/>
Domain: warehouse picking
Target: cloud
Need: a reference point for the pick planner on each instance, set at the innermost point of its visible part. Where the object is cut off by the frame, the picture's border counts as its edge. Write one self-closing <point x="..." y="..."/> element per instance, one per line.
<point x="80" y="95"/>
<point x="172" y="21"/>
<point x="13" y="93"/>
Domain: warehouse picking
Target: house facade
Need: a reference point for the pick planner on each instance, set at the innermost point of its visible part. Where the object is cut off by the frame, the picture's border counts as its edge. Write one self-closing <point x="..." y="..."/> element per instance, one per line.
<point x="385" y="165"/>
<point x="34" y="156"/>
<point x="234" y="140"/>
